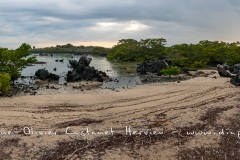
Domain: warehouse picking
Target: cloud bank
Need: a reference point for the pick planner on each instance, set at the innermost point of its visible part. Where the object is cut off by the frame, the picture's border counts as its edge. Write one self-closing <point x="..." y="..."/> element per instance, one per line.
<point x="104" y="22"/>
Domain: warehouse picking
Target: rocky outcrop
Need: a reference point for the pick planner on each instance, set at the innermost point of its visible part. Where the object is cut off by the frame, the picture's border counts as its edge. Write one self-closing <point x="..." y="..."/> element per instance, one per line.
<point x="153" y="66"/>
<point x="43" y="74"/>
<point x="82" y="71"/>
<point x="230" y="71"/>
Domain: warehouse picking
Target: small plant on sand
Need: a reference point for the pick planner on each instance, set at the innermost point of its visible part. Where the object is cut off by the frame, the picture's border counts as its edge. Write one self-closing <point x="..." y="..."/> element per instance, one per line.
<point x="5" y="83"/>
<point x="171" y="70"/>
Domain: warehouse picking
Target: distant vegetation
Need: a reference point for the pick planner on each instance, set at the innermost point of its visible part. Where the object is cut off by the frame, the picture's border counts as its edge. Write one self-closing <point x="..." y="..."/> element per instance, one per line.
<point x="182" y="55"/>
<point x="69" y="48"/>
<point x="100" y="50"/>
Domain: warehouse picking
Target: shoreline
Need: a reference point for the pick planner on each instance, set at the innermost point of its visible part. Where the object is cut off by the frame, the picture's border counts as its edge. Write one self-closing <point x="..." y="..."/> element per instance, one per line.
<point x="85" y="87"/>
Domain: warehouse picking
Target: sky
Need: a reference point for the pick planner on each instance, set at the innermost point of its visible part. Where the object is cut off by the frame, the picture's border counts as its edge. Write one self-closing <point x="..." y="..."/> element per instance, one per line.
<point x="43" y="23"/>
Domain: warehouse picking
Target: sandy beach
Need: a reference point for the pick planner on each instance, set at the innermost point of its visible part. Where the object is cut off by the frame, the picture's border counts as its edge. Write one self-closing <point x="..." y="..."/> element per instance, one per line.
<point x="101" y="125"/>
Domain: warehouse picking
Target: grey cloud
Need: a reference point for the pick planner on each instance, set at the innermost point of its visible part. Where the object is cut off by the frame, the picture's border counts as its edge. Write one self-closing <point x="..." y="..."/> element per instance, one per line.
<point x="93" y="10"/>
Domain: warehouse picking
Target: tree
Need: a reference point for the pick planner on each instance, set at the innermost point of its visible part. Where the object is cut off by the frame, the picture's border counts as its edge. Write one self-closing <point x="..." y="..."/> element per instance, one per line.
<point x="13" y="61"/>
<point x="125" y="50"/>
<point x="180" y="54"/>
<point x="153" y="47"/>
<point x="133" y="50"/>
<point x="214" y="50"/>
<point x="233" y="53"/>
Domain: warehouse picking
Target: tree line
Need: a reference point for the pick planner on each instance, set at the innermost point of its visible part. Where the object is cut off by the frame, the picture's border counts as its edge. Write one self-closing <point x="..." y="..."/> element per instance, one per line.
<point x="197" y="55"/>
<point x="69" y="48"/>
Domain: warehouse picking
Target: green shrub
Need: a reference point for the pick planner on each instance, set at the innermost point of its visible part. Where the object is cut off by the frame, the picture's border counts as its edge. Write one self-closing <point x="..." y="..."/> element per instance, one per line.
<point x="171" y="70"/>
<point x="5" y="83"/>
<point x="199" y="64"/>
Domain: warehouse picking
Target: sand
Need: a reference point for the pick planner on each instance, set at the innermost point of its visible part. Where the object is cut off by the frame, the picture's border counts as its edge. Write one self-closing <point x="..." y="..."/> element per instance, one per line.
<point x="172" y="109"/>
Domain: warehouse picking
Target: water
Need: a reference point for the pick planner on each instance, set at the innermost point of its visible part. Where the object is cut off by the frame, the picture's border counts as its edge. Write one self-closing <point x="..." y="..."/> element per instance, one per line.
<point x="124" y="74"/>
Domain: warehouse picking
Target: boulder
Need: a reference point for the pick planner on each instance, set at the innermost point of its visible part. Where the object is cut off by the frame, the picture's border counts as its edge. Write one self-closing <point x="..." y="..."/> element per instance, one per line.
<point x="235" y="80"/>
<point x="153" y="66"/>
<point x="82" y="71"/>
<point x="43" y="74"/>
<point x="235" y="69"/>
<point x="223" y="70"/>
<point x="230" y="71"/>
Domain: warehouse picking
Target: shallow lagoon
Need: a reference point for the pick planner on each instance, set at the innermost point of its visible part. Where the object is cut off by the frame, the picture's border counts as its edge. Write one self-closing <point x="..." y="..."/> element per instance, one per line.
<point x="123" y="73"/>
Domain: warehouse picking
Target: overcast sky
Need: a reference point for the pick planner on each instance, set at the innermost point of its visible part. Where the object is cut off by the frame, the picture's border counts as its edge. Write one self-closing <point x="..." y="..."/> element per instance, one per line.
<point x="104" y="22"/>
